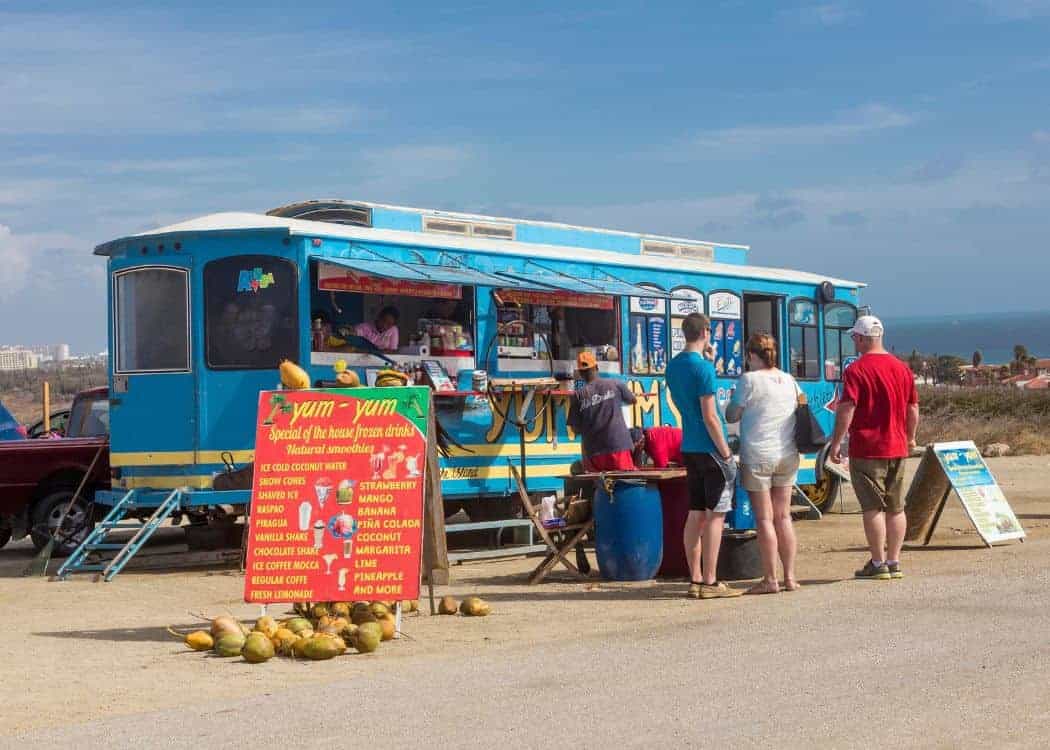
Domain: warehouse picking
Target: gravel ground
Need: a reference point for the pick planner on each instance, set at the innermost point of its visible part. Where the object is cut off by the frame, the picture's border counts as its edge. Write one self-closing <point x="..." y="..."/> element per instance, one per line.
<point x="955" y="653"/>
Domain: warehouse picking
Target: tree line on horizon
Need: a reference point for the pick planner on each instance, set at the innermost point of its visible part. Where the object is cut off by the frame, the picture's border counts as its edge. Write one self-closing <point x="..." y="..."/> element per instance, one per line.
<point x="947" y="368"/>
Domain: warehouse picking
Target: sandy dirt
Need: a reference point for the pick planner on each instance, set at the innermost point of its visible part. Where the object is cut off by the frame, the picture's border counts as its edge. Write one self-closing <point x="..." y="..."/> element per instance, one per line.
<point x="78" y="652"/>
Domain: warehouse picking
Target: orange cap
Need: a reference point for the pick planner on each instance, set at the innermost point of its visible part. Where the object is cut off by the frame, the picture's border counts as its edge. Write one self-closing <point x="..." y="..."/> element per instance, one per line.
<point x="586" y="361"/>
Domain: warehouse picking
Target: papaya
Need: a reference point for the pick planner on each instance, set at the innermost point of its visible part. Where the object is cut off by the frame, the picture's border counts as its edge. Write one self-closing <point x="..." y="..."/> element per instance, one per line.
<point x="293" y="376"/>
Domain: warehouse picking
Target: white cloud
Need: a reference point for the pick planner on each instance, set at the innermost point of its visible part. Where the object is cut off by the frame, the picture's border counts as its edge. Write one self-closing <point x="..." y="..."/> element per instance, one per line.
<point x="1017" y="10"/>
<point x="846" y="126"/>
<point x="398" y="167"/>
<point x="1041" y="136"/>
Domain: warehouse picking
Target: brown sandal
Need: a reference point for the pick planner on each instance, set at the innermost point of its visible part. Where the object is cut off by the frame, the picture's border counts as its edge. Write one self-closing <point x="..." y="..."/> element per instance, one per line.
<point x="764" y="587"/>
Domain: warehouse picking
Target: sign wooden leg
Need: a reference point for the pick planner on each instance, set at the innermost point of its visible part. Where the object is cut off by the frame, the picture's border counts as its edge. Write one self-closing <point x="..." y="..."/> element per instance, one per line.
<point x="937" y="516"/>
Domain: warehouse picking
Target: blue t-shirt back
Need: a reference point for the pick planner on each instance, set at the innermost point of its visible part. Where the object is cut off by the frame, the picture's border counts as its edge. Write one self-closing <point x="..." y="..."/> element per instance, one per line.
<point x="690" y="376"/>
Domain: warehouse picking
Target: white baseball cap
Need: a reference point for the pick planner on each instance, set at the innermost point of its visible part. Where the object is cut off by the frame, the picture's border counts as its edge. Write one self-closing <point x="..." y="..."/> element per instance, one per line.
<point x="869" y="326"/>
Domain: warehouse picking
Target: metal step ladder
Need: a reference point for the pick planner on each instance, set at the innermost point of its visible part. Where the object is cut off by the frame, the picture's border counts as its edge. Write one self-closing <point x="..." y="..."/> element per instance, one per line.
<point x="79" y="562"/>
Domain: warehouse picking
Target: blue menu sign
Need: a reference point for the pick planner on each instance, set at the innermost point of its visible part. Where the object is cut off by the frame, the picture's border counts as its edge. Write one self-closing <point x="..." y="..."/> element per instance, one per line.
<point x="978" y="491"/>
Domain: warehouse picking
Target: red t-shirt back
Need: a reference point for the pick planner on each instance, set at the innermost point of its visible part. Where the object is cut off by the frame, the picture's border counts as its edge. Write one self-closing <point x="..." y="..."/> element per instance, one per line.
<point x="881" y="387"/>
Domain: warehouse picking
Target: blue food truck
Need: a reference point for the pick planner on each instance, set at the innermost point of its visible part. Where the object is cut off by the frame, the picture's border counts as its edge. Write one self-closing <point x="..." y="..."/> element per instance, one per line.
<point x="202" y="312"/>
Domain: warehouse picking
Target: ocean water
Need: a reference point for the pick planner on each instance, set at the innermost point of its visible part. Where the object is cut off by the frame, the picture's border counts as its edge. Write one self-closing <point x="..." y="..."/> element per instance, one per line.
<point x="993" y="334"/>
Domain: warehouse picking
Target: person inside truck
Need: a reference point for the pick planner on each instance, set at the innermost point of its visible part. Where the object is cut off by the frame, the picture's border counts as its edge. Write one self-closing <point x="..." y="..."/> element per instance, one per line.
<point x="382" y="332"/>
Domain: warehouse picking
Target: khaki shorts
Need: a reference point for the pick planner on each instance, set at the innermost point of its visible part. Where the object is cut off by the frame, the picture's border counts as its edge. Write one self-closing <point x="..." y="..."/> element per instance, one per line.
<point x="765" y="476"/>
<point x="878" y="483"/>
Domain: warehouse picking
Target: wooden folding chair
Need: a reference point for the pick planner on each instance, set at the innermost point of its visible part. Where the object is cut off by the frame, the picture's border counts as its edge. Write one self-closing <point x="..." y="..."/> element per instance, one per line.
<point x="561" y="540"/>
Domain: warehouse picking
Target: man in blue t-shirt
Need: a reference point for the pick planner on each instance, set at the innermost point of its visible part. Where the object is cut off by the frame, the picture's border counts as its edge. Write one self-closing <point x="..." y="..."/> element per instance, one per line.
<point x="709" y="464"/>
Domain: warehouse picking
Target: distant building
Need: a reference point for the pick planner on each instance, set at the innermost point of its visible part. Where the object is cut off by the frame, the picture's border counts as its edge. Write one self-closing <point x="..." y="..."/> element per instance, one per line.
<point x="49" y="352"/>
<point x="17" y="358"/>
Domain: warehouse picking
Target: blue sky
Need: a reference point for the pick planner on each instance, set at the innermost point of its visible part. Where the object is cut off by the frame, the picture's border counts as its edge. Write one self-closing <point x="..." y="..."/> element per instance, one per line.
<point x="903" y="144"/>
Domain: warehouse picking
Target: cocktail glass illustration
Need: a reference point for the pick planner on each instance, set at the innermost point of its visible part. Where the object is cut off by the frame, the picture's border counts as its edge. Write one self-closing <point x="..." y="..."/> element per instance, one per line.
<point x="344" y="493"/>
<point x="323" y="488"/>
<point x="318" y="534"/>
<point x="305" y="510"/>
<point x="412" y="466"/>
<point x="377" y="462"/>
<point x="342" y="579"/>
<point x="329" y="558"/>
<point x="343" y="527"/>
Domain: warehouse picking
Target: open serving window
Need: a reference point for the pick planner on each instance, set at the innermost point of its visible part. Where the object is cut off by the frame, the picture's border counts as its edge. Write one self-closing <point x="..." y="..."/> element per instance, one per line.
<point x="538" y="325"/>
<point x="366" y="311"/>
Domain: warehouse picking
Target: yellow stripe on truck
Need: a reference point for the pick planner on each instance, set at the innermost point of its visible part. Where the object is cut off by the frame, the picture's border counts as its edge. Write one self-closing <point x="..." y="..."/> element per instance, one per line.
<point x="177" y="458"/>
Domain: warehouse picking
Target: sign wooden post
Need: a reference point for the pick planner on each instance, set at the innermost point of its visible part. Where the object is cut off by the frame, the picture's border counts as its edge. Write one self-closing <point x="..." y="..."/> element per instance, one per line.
<point x="337" y="495"/>
<point x="958" y="467"/>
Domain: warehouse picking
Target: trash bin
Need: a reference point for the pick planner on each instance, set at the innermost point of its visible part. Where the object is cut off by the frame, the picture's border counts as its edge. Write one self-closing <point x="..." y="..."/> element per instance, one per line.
<point x="628" y="531"/>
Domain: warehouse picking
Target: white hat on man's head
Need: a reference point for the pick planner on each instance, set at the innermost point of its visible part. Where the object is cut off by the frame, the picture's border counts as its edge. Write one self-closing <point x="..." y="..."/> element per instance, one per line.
<point x="868" y="326"/>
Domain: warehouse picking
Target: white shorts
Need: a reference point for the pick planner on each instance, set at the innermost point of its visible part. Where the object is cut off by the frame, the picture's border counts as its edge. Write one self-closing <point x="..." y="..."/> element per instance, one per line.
<point x="762" y="477"/>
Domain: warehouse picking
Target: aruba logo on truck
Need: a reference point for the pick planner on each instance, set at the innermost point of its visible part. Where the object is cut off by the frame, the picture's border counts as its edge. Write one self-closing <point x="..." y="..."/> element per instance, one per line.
<point x="254" y="280"/>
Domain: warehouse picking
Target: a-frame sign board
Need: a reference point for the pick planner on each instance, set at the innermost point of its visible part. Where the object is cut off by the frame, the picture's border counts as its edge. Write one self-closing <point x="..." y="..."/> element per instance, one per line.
<point x="958" y="467"/>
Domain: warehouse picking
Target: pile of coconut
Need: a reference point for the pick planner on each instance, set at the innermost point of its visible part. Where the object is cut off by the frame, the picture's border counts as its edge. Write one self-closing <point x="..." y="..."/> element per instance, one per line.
<point x="316" y="631"/>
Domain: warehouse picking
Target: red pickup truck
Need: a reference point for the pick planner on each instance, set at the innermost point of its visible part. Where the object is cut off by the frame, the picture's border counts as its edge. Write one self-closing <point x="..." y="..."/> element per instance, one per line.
<point x="39" y="476"/>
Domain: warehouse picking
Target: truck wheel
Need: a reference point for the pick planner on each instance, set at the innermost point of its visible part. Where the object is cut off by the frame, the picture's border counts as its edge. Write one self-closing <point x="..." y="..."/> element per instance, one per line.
<point x="824" y="493"/>
<point x="47" y="513"/>
<point x="5" y="536"/>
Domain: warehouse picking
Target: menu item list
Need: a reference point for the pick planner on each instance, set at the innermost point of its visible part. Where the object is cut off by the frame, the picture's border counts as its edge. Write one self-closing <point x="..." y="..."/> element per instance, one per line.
<point x="337" y="497"/>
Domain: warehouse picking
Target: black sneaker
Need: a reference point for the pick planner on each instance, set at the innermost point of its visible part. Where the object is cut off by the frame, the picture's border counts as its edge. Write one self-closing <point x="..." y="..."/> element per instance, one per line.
<point x="880" y="572"/>
<point x="895" y="570"/>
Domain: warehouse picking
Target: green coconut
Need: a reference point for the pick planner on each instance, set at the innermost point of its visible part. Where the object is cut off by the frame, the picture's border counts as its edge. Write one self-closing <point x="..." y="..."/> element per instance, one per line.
<point x="389" y="626"/>
<point x="322" y="647"/>
<point x="368" y="637"/>
<point x="266" y="625"/>
<point x="380" y="609"/>
<point x="283" y="640"/>
<point x="299" y="624"/>
<point x="319" y="610"/>
<point x="340" y="609"/>
<point x="229" y="644"/>
<point x="361" y="616"/>
<point x="224" y="624"/>
<point x="257" y="648"/>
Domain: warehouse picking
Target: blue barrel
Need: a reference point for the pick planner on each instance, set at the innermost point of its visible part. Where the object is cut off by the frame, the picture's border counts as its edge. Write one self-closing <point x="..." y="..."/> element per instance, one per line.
<point x="628" y="531"/>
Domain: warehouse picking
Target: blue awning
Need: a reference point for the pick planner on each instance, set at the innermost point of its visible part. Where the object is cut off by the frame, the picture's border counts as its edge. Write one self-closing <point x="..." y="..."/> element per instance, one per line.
<point x="607" y="286"/>
<point x="424" y="272"/>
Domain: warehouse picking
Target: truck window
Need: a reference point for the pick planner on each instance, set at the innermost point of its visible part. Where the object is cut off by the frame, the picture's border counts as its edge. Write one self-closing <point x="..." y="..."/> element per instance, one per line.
<point x="251" y="312"/>
<point x="152" y="320"/>
<point x="89" y="418"/>
<point x="803" y="344"/>
<point x="839" y="318"/>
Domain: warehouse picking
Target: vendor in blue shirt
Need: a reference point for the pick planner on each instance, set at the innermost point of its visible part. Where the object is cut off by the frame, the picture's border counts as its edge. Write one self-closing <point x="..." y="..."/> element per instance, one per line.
<point x="709" y="464"/>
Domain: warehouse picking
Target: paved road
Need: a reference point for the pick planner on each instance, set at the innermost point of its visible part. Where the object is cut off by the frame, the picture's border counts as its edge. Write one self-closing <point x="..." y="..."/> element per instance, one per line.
<point x="960" y="657"/>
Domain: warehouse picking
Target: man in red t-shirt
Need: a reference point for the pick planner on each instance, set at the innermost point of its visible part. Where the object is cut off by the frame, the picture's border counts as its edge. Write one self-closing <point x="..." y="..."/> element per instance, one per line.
<point x="879" y="407"/>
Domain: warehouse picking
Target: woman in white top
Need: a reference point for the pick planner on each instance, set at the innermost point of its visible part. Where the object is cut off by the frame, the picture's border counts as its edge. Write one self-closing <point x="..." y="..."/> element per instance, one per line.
<point x="764" y="403"/>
